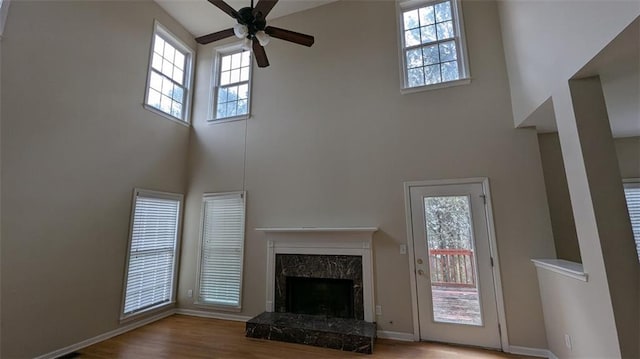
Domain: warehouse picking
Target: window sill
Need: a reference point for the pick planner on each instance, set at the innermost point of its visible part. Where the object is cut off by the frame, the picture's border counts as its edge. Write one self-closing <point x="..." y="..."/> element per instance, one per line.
<point x="461" y="82"/>
<point x="229" y="119"/>
<point x="168" y="117"/>
<point x="147" y="312"/>
<point x="569" y="269"/>
<point x="218" y="307"/>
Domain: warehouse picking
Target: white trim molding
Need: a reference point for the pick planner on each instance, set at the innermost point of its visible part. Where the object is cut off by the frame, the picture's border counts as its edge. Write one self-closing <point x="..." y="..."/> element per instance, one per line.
<point x="212" y="315"/>
<point x="400" y="336"/>
<point x="493" y="245"/>
<point x="353" y="241"/>
<point x="370" y="230"/>
<point x="104" y="336"/>
<point x="533" y="352"/>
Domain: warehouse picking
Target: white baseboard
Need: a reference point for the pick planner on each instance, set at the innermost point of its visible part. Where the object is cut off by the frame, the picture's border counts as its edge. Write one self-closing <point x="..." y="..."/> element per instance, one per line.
<point x="405" y="337"/>
<point x="534" y="352"/>
<point x="213" y="315"/>
<point x="102" y="337"/>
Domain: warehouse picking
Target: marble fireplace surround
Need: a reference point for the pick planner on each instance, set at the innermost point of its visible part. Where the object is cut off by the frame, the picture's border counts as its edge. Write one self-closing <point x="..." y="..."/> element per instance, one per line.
<point x="350" y="241"/>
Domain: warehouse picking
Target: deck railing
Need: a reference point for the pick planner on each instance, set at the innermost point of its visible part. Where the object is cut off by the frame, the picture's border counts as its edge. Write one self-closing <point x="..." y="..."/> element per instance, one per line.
<point x="452" y="267"/>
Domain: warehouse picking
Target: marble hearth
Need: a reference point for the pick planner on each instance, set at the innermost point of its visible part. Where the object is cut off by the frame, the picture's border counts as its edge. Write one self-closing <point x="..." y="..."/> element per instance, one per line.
<point x="334" y="333"/>
<point x="338" y="254"/>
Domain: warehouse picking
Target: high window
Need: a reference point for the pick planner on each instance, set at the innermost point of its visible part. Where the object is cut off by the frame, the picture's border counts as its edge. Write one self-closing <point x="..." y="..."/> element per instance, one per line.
<point x="170" y="76"/>
<point x="232" y="84"/>
<point x="433" y="48"/>
<point x="4" y="9"/>
<point x="632" y="194"/>
<point x="151" y="259"/>
<point x="222" y="250"/>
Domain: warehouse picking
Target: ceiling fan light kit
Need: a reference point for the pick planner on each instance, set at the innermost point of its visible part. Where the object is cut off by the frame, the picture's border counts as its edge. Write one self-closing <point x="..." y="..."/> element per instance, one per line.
<point x="263" y="38"/>
<point x="240" y="30"/>
<point x="252" y="27"/>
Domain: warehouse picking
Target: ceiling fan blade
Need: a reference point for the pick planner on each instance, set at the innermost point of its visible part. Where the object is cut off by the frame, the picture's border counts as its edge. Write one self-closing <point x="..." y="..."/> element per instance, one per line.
<point x="215" y="36"/>
<point x="288" y="35"/>
<point x="260" y="54"/>
<point x="264" y="7"/>
<point x="220" y="4"/>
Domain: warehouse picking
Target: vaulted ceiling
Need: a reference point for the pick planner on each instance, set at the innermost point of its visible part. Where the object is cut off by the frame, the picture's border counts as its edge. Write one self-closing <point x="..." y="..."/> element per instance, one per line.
<point x="200" y="17"/>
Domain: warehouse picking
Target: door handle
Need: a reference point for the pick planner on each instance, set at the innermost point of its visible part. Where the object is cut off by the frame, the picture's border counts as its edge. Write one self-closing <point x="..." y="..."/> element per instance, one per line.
<point x="420" y="272"/>
<point x="419" y="261"/>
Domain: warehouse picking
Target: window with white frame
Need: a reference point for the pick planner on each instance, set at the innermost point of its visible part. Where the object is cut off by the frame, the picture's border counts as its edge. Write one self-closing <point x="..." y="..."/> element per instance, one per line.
<point x="222" y="250"/>
<point x="4" y="9"/>
<point x="232" y="89"/>
<point x="170" y="75"/>
<point x="152" y="252"/>
<point x="433" y="46"/>
<point x="632" y="195"/>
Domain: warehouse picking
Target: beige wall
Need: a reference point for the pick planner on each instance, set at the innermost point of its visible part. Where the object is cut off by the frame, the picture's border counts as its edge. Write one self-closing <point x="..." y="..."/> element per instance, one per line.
<point x="555" y="180"/>
<point x="628" y="151"/>
<point x="332" y="140"/>
<point x="564" y="231"/>
<point x="75" y="142"/>
<point x="538" y="59"/>
<point x="573" y="307"/>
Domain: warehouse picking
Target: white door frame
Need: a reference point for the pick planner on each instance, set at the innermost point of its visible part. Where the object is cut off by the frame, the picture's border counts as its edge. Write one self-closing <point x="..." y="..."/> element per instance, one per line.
<point x="492" y="245"/>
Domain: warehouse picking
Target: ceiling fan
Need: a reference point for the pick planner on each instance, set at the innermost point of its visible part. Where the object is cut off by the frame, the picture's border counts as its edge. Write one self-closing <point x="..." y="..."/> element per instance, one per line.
<point x="252" y="26"/>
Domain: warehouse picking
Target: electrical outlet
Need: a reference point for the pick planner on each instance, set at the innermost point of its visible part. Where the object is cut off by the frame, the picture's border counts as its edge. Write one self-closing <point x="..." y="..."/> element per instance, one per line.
<point x="403" y="249"/>
<point x="378" y="310"/>
<point x="567" y="341"/>
<point x="190" y="293"/>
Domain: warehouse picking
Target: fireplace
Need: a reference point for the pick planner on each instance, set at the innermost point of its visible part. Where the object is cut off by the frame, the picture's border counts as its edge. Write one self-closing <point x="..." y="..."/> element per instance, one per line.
<point x="342" y="253"/>
<point x="319" y="288"/>
<point x="320" y="296"/>
<point x="327" y="268"/>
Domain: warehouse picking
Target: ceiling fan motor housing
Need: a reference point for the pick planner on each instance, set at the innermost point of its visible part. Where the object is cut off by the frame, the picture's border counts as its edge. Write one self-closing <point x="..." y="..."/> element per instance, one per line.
<point x="253" y="23"/>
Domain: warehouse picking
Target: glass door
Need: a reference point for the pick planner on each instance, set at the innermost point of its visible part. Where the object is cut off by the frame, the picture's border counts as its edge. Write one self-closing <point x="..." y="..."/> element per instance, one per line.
<point x="455" y="287"/>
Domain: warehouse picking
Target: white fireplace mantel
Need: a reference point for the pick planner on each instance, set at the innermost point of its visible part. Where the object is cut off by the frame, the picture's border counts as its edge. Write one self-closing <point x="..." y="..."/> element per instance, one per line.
<point x="317" y="229"/>
<point x="351" y="241"/>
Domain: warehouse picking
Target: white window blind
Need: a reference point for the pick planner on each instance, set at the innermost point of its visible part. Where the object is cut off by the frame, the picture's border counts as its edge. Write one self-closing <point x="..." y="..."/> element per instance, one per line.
<point x="221" y="254"/>
<point x="152" y="252"/>
<point x="632" y="194"/>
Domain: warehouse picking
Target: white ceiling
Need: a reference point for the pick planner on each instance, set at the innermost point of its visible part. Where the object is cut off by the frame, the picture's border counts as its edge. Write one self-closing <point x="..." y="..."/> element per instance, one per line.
<point x="201" y="17"/>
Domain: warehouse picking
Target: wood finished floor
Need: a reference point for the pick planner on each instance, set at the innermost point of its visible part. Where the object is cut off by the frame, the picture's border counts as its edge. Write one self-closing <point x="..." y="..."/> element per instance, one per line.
<point x="180" y="336"/>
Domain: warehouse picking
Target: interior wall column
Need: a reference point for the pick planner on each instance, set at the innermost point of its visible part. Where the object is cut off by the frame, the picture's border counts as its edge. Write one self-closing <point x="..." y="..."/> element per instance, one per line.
<point x="599" y="207"/>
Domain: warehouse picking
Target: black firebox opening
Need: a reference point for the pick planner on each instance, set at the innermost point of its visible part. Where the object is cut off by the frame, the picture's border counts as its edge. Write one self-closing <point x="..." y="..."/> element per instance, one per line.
<point x="320" y="296"/>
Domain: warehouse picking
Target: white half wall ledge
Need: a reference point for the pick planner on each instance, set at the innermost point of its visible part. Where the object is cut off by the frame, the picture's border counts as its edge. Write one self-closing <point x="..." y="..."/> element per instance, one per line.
<point x="566" y="268"/>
